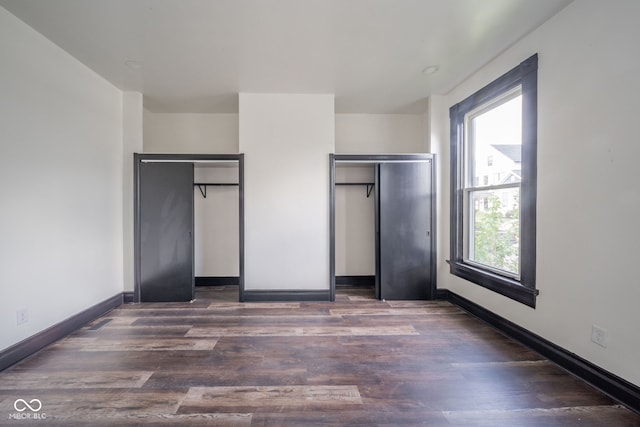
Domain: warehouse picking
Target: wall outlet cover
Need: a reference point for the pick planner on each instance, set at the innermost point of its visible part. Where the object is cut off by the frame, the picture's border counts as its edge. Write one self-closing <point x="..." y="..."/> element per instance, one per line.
<point x="22" y="316"/>
<point x="599" y="336"/>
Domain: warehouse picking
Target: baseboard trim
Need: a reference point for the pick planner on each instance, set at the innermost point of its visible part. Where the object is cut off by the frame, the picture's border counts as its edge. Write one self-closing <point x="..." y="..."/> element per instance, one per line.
<point x="443" y="294"/>
<point x="610" y="384"/>
<point x="365" y="281"/>
<point x="217" y="280"/>
<point x="36" y="342"/>
<point x="127" y="297"/>
<point x="286" y="296"/>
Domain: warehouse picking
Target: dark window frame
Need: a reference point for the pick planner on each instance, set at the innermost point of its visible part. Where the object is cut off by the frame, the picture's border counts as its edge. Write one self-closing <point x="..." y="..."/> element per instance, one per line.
<point x="522" y="289"/>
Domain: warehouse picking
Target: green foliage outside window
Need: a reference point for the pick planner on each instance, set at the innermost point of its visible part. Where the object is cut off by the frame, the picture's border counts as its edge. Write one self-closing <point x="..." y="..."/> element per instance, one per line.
<point x="497" y="236"/>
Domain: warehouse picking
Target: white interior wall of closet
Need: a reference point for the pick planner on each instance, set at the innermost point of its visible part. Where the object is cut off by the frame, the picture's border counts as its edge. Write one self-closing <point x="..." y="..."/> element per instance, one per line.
<point x="216" y="221"/>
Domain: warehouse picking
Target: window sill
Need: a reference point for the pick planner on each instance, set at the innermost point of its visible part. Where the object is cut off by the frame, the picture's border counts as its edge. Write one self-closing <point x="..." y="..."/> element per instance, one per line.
<point x="502" y="285"/>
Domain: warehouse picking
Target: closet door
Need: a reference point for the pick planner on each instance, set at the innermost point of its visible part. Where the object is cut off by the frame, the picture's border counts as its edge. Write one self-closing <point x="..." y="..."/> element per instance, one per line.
<point x="166" y="232"/>
<point x="405" y="230"/>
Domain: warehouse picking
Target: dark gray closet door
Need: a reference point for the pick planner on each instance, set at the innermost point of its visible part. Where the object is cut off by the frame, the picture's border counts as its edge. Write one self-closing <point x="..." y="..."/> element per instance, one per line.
<point x="166" y="232"/>
<point x="405" y="230"/>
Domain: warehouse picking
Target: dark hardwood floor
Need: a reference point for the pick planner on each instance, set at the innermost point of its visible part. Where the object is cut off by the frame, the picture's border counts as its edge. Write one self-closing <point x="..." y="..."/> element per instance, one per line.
<point x="355" y="362"/>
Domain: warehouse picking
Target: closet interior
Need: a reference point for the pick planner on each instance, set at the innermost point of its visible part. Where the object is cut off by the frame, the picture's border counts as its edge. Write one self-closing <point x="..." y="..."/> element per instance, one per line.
<point x="355" y="228"/>
<point x="383" y="219"/>
<point x="188" y="224"/>
<point x="216" y="224"/>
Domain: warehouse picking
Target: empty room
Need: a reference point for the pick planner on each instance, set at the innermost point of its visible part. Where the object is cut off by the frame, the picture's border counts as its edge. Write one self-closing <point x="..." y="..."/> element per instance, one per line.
<point x="319" y="212"/>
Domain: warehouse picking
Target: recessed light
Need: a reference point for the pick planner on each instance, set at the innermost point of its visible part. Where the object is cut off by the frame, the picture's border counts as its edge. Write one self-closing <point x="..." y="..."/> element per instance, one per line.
<point x="430" y="70"/>
<point x="132" y="64"/>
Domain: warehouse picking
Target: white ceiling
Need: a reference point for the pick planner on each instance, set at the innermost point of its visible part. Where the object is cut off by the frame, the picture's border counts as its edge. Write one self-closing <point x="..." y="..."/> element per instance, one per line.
<point x="196" y="55"/>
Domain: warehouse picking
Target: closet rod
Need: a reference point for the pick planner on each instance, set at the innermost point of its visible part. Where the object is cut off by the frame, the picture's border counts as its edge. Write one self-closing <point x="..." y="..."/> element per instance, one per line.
<point x="215" y="183"/>
<point x="202" y="186"/>
<point x="355" y="183"/>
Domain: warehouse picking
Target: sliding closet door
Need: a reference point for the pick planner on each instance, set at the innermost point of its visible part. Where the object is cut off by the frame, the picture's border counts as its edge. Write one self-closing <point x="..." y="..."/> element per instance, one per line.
<point x="404" y="225"/>
<point x="166" y="232"/>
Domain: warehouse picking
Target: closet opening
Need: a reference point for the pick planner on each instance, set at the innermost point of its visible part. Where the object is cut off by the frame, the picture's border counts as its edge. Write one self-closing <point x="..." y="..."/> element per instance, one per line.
<point x="355" y="230"/>
<point x="216" y="229"/>
<point x="188" y="227"/>
<point x="382" y="226"/>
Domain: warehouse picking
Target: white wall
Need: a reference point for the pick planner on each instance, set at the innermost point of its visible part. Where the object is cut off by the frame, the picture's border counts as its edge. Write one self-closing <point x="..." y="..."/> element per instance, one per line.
<point x="286" y="140"/>
<point x="216" y="217"/>
<point x="60" y="183"/>
<point x="132" y="142"/>
<point x="216" y="221"/>
<point x="190" y="133"/>
<point x="355" y="214"/>
<point x="355" y="222"/>
<point x="439" y="143"/>
<point x="588" y="195"/>
<point x="354" y="133"/>
<point x="381" y="133"/>
<point x="218" y="133"/>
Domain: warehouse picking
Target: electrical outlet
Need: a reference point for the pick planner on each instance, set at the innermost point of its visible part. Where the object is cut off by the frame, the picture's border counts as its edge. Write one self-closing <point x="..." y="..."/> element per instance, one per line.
<point x="599" y="336"/>
<point x="22" y="316"/>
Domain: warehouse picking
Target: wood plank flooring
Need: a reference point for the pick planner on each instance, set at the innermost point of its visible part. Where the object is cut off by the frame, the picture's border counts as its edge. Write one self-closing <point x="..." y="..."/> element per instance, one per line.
<point x="355" y="362"/>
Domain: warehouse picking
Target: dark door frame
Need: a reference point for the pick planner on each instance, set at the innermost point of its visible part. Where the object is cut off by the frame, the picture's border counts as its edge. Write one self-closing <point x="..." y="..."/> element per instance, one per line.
<point x="375" y="159"/>
<point x="139" y="158"/>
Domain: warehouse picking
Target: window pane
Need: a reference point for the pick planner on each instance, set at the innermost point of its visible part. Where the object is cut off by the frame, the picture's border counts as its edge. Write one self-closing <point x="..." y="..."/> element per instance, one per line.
<point x="494" y="235"/>
<point x="495" y="144"/>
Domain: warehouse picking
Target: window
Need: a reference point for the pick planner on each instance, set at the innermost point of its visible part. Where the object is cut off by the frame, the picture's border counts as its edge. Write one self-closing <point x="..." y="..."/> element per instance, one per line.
<point x="493" y="224"/>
